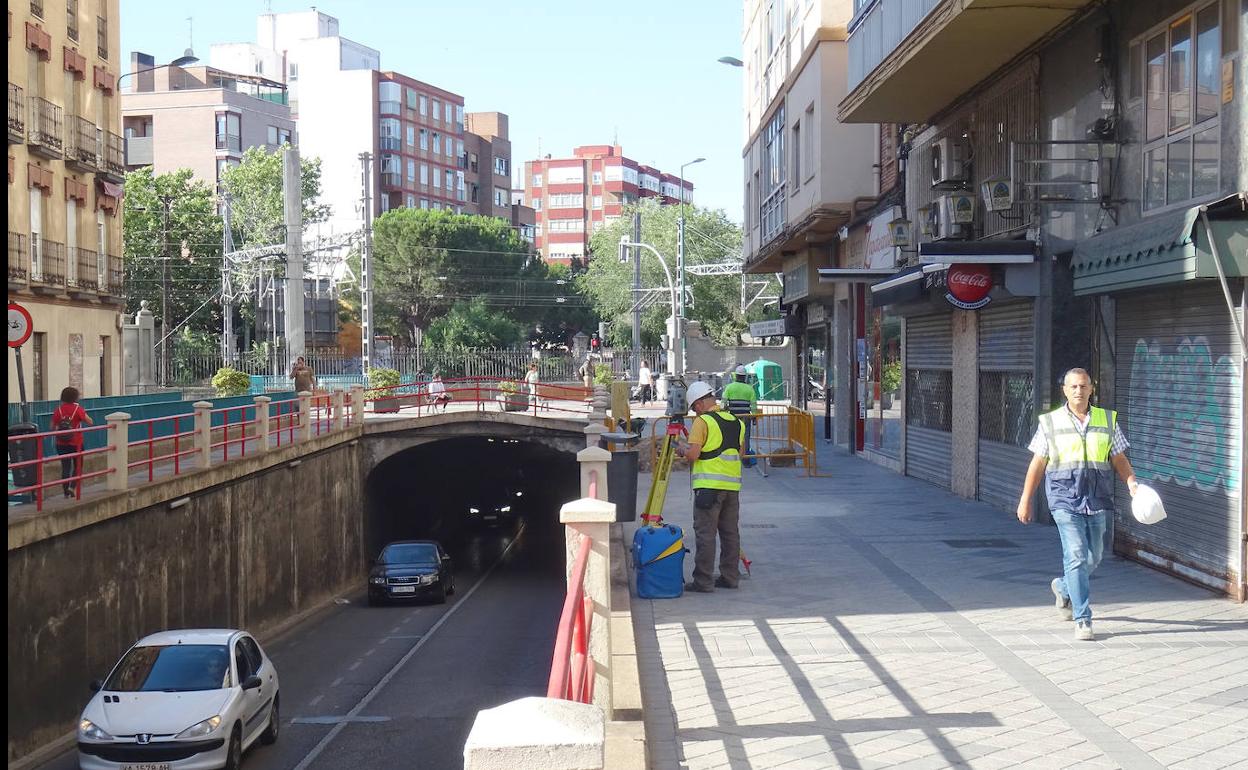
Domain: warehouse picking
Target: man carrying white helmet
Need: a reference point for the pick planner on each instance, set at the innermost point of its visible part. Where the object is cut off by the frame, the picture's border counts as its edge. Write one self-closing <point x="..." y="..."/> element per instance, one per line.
<point x="715" y="442"/>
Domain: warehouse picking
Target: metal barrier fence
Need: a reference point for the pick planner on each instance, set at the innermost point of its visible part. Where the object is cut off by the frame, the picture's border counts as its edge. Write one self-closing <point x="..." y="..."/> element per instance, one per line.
<point x="776" y="433"/>
<point x="425" y="397"/>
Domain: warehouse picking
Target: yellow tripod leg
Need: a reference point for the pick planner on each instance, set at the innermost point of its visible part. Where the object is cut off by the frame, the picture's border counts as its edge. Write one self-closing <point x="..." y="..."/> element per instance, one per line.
<point x="653" y="514"/>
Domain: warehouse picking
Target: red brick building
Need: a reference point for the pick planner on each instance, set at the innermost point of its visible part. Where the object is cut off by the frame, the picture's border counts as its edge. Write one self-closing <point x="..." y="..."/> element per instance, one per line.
<point x="574" y="197"/>
<point x="421" y="157"/>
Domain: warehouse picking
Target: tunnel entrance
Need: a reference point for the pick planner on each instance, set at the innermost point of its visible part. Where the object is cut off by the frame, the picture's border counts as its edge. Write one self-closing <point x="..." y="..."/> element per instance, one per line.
<point x="472" y="494"/>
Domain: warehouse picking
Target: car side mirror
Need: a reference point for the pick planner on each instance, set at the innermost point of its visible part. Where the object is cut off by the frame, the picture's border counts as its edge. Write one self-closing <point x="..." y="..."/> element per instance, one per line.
<point x="251" y="682"/>
<point x="96" y="685"/>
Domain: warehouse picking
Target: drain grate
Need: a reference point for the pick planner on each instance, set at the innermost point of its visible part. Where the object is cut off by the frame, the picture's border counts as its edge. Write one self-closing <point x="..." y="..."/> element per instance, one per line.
<point x="983" y="543"/>
<point x="759" y="526"/>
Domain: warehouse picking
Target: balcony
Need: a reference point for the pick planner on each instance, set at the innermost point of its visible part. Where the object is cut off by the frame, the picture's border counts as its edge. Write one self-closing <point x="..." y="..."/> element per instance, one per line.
<point x="391" y="181"/>
<point x="114" y="166"/>
<point x="47" y="263"/>
<point x="139" y="151"/>
<point x="85" y="272"/>
<point x="82" y="145"/>
<point x="895" y="46"/>
<point x="47" y="131"/>
<point x="18" y="259"/>
<point x="111" y="273"/>
<point x="17" y="115"/>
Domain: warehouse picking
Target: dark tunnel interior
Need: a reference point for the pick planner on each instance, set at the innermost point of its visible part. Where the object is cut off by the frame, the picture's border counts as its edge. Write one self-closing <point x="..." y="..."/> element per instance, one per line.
<point x="473" y="494"/>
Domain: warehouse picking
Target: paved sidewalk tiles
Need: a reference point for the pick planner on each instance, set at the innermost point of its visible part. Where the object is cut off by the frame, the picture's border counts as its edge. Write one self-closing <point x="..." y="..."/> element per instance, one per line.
<point x="890" y="624"/>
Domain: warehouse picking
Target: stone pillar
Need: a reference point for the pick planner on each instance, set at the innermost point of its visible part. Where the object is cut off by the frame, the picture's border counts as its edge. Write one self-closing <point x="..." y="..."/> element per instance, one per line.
<point x="336" y="403"/>
<point x="119" y="457"/>
<point x="357" y="403"/>
<point x="965" y="472"/>
<point x="593" y="462"/>
<point x="305" y="415"/>
<point x="593" y="432"/>
<point x="262" y="423"/>
<point x="203" y="432"/>
<point x="593" y="519"/>
<point x="537" y="734"/>
<point x="599" y="403"/>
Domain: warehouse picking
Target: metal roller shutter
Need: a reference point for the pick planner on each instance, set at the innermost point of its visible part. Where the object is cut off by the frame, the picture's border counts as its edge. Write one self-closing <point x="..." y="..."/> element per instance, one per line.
<point x="1007" y="399"/>
<point x="929" y="361"/>
<point x="1179" y="401"/>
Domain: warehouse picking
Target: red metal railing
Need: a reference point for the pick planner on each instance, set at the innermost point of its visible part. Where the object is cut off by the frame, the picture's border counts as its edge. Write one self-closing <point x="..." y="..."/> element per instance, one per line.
<point x="178" y="437"/>
<point x="284" y="419"/>
<point x="571" y="675"/>
<point x="227" y="428"/>
<point x="509" y="395"/>
<point x="40" y="459"/>
<point x="321" y="413"/>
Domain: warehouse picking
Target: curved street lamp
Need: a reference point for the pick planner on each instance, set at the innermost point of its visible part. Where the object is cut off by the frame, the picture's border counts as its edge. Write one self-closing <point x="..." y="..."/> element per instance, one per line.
<point x="188" y="57"/>
<point x="677" y="337"/>
<point x="731" y="61"/>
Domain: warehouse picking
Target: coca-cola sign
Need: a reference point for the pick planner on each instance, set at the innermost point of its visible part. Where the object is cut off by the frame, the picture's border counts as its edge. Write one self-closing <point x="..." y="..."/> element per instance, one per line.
<point x="968" y="285"/>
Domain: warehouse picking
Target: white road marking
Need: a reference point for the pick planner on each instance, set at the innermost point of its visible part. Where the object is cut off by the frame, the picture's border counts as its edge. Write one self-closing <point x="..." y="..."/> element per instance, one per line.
<point x="370" y="652"/>
<point x="316" y="700"/>
<point x="335" y="720"/>
<point x="355" y="665"/>
<point x="311" y="756"/>
<point x="336" y="682"/>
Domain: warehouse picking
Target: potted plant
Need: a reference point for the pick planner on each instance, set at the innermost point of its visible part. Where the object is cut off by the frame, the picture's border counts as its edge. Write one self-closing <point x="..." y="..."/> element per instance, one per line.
<point x="382" y="382"/>
<point x="511" y="398"/>
<point x="229" y="381"/>
<point x="890" y="381"/>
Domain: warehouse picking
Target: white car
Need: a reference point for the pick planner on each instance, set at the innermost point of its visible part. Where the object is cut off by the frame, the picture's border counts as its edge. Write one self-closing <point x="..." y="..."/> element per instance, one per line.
<point x="193" y="699"/>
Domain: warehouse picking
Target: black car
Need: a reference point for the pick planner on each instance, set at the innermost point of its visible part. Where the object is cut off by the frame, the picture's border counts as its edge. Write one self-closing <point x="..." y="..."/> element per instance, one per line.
<point x="497" y="510"/>
<point x="411" y="569"/>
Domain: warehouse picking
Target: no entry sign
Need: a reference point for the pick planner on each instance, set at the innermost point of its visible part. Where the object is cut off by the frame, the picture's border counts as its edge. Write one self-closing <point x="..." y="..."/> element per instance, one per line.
<point x="19" y="325"/>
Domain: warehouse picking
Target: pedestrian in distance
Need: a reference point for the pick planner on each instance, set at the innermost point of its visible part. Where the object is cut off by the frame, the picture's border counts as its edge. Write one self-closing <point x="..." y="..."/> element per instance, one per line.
<point x="714" y="448"/>
<point x="741" y="399"/>
<point x="437" y="392"/>
<point x="587" y="373"/>
<point x="302" y="374"/>
<point x="531" y="379"/>
<point x="1076" y="450"/>
<point x="645" y="381"/>
<point x="67" y="419"/>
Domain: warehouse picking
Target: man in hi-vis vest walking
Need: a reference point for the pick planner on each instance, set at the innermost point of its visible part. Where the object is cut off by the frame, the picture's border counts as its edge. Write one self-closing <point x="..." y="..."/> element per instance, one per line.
<point x="714" y="448"/>
<point x="1077" y="448"/>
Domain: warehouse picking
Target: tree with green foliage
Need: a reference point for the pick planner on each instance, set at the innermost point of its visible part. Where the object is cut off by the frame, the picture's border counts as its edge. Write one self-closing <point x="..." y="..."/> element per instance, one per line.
<point x="193" y="248"/>
<point x="473" y="324"/>
<point x="710" y="237"/>
<point x="257" y="203"/>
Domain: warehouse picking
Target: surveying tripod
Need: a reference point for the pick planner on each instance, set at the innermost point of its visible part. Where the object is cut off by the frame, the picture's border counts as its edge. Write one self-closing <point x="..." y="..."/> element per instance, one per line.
<point x="652" y="515"/>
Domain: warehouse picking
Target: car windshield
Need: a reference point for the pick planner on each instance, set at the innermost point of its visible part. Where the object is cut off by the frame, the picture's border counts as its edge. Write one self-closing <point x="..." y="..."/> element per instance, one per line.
<point x="410" y="553"/>
<point x="172" y="668"/>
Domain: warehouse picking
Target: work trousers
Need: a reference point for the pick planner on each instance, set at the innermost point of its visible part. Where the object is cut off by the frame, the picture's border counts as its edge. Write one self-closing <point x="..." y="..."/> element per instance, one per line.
<point x="723" y="519"/>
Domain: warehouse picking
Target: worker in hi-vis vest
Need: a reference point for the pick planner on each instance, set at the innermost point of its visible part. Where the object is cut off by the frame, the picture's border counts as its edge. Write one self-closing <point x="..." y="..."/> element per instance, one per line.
<point x="714" y="448"/>
<point x="742" y="401"/>
<point x="1077" y="448"/>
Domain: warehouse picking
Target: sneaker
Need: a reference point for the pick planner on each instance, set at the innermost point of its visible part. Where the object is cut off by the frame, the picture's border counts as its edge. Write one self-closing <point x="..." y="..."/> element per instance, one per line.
<point x="1083" y="631"/>
<point x="1063" y="602"/>
<point x="691" y="586"/>
<point x="721" y="583"/>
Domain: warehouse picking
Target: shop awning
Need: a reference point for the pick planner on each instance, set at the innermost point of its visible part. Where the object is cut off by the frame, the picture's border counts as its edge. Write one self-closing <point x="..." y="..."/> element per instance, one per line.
<point x="1165" y="248"/>
<point x="904" y="286"/>
<point x="853" y="274"/>
<point x="990" y="252"/>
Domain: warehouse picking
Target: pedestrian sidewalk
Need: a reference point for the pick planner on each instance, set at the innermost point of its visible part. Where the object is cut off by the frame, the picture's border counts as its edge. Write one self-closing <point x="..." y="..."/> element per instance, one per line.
<point x="889" y="623"/>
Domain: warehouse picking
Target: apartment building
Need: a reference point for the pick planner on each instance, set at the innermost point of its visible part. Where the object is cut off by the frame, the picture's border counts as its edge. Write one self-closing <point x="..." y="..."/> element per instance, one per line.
<point x="574" y="197"/>
<point x="1073" y="187"/>
<point x="201" y="118"/>
<point x="65" y="186"/>
<point x="421" y="158"/>
<point x="488" y="164"/>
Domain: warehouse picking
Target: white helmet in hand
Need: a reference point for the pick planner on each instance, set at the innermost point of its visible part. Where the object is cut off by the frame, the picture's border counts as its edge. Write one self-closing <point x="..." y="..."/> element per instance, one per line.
<point x="698" y="390"/>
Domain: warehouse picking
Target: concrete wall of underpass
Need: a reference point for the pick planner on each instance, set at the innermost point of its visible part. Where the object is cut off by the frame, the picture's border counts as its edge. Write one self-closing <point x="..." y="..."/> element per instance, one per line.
<point x="258" y="542"/>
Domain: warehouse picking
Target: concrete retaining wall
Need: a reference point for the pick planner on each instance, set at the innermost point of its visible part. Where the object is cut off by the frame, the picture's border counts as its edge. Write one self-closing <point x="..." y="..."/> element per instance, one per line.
<point x="249" y="550"/>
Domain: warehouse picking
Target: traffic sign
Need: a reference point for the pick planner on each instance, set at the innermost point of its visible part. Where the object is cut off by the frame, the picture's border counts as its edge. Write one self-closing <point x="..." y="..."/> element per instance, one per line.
<point x="19" y="325"/>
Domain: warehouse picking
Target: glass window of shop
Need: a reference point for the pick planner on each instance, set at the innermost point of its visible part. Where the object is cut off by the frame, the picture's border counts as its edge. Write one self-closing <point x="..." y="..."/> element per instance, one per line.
<point x="818" y="356"/>
<point x="883" y="426"/>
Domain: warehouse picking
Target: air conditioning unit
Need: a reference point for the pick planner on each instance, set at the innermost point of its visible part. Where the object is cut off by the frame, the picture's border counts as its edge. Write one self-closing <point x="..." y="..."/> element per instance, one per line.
<point x="948" y="161"/>
<point x="951" y="214"/>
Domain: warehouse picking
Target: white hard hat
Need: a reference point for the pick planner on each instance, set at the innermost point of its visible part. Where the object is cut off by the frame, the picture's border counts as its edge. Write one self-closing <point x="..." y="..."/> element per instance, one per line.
<point x="740" y="370"/>
<point x="1146" y="505"/>
<point x="698" y="390"/>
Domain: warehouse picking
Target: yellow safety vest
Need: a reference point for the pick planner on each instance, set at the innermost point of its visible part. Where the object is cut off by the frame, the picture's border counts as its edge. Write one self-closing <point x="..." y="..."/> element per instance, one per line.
<point x="719" y="464"/>
<point x="1079" y="475"/>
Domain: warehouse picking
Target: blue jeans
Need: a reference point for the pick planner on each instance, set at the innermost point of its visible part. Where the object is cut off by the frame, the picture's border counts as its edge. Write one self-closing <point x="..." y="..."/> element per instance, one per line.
<point x="1083" y="545"/>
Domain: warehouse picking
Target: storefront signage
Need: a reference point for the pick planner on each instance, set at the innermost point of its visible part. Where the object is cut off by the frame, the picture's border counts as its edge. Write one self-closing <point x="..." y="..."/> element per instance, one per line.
<point x="816" y="314"/>
<point x="968" y="286"/>
<point x="776" y="328"/>
<point x="880" y="249"/>
<point x="19" y="325"/>
<point x="796" y="281"/>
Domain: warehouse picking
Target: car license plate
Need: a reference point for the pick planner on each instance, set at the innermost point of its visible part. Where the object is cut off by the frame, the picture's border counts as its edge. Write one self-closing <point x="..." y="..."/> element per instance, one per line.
<point x="403" y="589"/>
<point x="147" y="766"/>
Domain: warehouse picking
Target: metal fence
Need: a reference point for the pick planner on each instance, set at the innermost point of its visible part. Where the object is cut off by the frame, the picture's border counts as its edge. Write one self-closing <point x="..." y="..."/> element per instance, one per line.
<point x="197" y="368"/>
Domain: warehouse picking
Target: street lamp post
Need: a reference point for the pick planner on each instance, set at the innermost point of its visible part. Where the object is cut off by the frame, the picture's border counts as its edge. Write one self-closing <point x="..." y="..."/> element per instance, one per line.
<point x="675" y="362"/>
<point x="680" y="257"/>
<point x="186" y="58"/>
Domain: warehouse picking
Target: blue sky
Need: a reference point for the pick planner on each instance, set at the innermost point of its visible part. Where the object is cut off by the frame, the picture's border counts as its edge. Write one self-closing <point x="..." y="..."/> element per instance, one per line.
<point x="567" y="72"/>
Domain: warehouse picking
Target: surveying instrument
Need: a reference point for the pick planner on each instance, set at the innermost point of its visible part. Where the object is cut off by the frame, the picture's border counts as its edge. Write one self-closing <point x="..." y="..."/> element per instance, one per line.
<point x="677" y="408"/>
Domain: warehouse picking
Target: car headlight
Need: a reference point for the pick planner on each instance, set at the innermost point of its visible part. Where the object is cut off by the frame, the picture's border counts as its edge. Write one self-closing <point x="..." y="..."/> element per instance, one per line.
<point x="201" y="729"/>
<point x="474" y="510"/>
<point x="505" y="509"/>
<point x="431" y="578"/>
<point x="377" y="580"/>
<point x="89" y="730"/>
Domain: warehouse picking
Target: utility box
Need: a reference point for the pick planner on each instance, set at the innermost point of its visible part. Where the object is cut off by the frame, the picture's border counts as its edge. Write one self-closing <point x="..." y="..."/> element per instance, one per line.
<point x="622" y="473"/>
<point x="768" y="379"/>
<point x="20" y="451"/>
